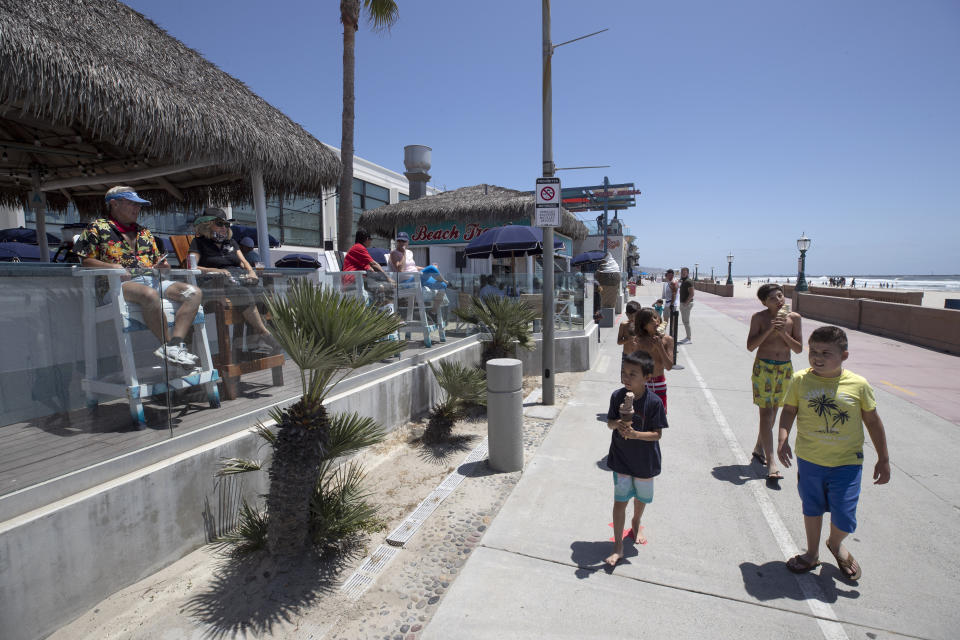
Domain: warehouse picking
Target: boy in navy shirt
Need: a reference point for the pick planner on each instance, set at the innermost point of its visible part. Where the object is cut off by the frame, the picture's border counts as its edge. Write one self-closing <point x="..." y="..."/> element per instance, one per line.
<point x="636" y="417"/>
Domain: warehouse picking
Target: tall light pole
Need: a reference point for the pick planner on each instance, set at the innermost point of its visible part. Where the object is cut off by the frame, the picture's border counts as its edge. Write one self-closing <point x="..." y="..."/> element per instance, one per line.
<point x="729" y="268"/>
<point x="547" y="387"/>
<point x="696" y="271"/>
<point x="546" y="382"/>
<point x="803" y="243"/>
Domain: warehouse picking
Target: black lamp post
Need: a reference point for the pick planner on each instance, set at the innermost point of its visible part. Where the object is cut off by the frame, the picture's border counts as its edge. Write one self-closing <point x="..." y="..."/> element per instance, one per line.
<point x="803" y="243"/>
<point x="696" y="270"/>
<point x="729" y="268"/>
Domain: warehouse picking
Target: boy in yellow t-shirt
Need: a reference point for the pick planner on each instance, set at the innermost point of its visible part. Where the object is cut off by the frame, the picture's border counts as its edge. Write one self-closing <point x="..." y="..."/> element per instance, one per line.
<point x="831" y="406"/>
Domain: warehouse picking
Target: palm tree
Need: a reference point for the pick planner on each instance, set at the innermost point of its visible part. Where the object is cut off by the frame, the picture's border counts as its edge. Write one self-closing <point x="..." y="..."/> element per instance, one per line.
<point x="327" y="336"/>
<point x="382" y="14"/>
<point x="462" y="387"/>
<point x="506" y="319"/>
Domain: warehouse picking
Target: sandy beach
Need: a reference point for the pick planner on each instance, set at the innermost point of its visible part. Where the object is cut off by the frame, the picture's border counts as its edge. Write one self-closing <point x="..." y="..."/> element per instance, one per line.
<point x="933" y="299"/>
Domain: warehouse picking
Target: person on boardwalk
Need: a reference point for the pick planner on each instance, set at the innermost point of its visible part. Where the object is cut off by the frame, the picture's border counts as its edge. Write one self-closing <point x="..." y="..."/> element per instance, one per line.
<point x="670" y="294"/>
<point x="637" y="419"/>
<point x="774" y="333"/>
<point x="660" y="348"/>
<point x="831" y="406"/>
<point x="687" y="290"/>
<point x="626" y="333"/>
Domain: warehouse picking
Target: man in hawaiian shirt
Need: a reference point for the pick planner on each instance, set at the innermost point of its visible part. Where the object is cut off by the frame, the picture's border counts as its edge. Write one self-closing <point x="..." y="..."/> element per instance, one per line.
<point x="118" y="242"/>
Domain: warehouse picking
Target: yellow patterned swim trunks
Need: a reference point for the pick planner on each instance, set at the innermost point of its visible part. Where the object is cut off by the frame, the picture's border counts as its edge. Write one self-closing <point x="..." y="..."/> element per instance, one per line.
<point x="770" y="379"/>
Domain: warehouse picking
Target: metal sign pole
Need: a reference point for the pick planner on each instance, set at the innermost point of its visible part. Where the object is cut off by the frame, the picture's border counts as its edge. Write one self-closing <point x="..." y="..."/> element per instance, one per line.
<point x="547" y="392"/>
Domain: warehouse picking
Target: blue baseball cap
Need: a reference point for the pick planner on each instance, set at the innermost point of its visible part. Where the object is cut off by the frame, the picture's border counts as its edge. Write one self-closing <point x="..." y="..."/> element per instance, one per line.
<point x="126" y="195"/>
<point x="403" y="235"/>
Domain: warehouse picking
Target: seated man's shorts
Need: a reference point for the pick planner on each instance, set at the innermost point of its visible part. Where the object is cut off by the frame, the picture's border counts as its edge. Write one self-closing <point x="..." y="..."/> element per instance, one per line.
<point x="152" y="282"/>
<point x="833" y="489"/>
<point x="626" y="487"/>
<point x="770" y="379"/>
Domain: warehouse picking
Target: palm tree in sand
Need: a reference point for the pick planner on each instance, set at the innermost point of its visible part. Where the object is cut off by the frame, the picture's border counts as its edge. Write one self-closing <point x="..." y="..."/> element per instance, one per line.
<point x="382" y="14"/>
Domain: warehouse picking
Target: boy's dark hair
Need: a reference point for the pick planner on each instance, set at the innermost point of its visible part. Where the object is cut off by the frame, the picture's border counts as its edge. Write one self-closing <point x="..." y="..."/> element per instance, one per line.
<point x="362" y="236"/>
<point x="642" y="359"/>
<point x="644" y="316"/>
<point x="830" y="335"/>
<point x="632" y="307"/>
<point x="766" y="289"/>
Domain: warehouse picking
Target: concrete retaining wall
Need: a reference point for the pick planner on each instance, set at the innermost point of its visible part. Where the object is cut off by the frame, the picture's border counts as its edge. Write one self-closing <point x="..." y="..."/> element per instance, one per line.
<point x="880" y="295"/>
<point x="725" y="290"/>
<point x="571" y="353"/>
<point x="58" y="560"/>
<point x="924" y="326"/>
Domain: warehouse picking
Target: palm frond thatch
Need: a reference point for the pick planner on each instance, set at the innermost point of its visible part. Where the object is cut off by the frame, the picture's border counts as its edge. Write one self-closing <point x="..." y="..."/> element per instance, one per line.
<point x="486" y="204"/>
<point x="96" y="77"/>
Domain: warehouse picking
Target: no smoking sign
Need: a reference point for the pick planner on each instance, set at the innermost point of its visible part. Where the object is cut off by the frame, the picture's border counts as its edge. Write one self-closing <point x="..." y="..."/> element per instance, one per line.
<point x="547" y="212"/>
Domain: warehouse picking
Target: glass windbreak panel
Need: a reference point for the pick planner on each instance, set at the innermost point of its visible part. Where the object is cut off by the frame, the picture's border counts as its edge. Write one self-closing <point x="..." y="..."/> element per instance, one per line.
<point x="83" y="378"/>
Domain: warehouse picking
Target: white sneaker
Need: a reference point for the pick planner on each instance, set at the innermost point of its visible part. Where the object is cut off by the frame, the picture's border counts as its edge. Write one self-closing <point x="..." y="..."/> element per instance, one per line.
<point x="685" y="341"/>
<point x="177" y="354"/>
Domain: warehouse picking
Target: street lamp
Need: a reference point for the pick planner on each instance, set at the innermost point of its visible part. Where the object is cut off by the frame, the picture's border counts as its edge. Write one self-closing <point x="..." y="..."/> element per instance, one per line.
<point x="729" y="268"/>
<point x="803" y="243"/>
<point x="696" y="270"/>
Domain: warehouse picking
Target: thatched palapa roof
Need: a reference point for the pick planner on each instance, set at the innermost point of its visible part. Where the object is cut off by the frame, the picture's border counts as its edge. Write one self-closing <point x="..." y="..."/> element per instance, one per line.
<point x="483" y="203"/>
<point x="96" y="83"/>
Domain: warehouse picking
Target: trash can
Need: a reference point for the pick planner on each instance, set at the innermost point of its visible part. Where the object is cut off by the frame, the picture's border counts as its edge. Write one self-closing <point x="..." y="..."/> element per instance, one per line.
<point x="632" y="288"/>
<point x="952" y="303"/>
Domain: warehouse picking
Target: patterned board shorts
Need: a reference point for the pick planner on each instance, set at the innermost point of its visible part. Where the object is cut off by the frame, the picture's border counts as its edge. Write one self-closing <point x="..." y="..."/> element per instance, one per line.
<point x="626" y="487"/>
<point x="770" y="379"/>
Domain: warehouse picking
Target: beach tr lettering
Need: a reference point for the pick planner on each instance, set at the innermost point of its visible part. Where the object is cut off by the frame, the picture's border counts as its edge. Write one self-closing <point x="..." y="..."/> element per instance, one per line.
<point x="450" y="232"/>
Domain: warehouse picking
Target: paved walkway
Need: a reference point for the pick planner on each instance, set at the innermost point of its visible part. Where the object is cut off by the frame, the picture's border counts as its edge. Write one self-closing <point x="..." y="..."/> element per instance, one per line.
<point x="718" y="536"/>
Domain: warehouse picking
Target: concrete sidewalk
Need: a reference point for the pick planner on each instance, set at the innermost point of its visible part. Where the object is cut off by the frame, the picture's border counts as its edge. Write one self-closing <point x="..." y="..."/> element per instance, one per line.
<point x="718" y="536"/>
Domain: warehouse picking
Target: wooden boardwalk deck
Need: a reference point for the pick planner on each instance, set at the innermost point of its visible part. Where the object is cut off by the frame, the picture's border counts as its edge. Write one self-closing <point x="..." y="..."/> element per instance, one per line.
<point x="44" y="448"/>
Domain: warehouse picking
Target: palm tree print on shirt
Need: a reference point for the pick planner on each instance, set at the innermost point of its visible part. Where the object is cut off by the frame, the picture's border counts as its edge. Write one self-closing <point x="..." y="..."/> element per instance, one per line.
<point x="826" y="407"/>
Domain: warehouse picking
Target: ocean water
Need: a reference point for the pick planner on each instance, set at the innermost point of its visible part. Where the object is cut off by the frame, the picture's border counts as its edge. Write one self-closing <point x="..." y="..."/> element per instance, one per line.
<point x="902" y="282"/>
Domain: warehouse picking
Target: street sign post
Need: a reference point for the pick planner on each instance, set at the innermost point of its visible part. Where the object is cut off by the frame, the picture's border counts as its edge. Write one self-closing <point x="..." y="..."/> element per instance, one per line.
<point x="547" y="213"/>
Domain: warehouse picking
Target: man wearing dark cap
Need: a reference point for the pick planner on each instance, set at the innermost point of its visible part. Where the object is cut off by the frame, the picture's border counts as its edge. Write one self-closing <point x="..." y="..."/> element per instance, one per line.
<point x="118" y="242"/>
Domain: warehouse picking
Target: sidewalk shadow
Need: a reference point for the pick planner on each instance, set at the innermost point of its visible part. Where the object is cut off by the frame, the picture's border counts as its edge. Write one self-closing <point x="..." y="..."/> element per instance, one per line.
<point x="737" y="473"/>
<point x="254" y="594"/>
<point x="589" y="556"/>
<point x="602" y="417"/>
<point x="442" y="452"/>
<point x="773" y="581"/>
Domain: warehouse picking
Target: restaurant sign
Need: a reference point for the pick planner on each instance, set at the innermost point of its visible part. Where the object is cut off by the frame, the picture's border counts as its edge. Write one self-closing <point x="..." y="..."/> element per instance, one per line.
<point x="460" y="232"/>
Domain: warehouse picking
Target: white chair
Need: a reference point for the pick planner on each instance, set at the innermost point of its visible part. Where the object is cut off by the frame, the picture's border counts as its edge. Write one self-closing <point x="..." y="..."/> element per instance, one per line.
<point x="126" y="318"/>
<point x="405" y="286"/>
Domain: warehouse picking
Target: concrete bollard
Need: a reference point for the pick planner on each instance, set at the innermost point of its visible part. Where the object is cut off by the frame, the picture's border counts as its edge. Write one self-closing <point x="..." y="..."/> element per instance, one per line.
<point x="505" y="414"/>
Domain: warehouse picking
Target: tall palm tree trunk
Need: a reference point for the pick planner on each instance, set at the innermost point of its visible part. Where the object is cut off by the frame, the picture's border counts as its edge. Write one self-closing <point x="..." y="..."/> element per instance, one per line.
<point x="350" y="17"/>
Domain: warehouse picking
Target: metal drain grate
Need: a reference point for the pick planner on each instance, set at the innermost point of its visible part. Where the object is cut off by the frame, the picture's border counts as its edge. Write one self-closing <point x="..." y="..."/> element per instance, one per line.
<point x="366" y="574"/>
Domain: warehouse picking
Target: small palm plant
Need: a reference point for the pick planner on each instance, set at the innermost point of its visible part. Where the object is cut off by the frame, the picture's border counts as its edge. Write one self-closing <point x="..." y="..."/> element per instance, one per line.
<point x="327" y="336"/>
<point x="462" y="387"/>
<point x="507" y="319"/>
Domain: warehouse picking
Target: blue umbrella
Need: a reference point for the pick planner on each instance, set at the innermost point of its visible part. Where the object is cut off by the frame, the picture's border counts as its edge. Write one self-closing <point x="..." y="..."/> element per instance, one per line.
<point x="240" y="232"/>
<point x="588" y="257"/>
<point x="509" y="241"/>
<point x="29" y="236"/>
<point x="19" y="252"/>
<point x="298" y="261"/>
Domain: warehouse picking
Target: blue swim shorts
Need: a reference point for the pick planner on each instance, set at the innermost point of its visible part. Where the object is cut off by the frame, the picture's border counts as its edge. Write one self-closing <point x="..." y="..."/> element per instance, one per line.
<point x="626" y="487"/>
<point x="833" y="489"/>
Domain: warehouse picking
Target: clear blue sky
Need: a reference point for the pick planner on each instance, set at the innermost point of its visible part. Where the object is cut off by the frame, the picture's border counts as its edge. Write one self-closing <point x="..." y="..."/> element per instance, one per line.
<point x="744" y="122"/>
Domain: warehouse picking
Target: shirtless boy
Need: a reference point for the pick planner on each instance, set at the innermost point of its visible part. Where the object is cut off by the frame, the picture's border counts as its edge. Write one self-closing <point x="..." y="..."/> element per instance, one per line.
<point x="774" y="334"/>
